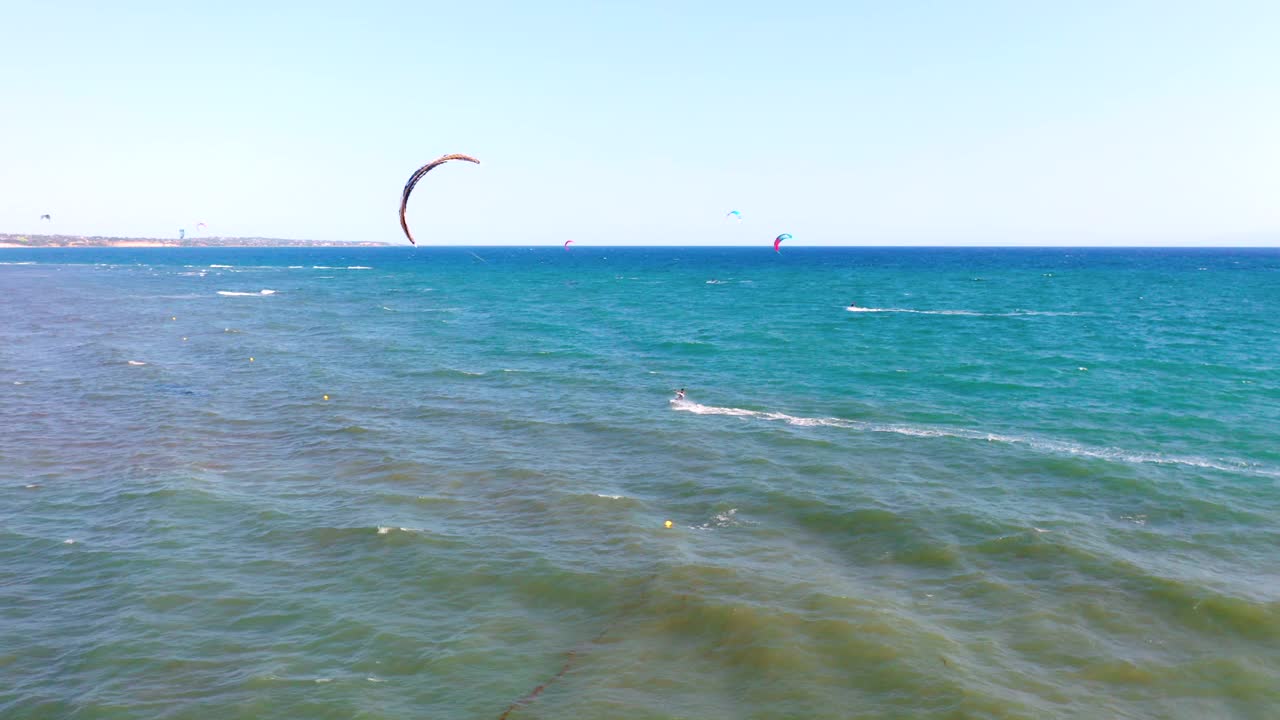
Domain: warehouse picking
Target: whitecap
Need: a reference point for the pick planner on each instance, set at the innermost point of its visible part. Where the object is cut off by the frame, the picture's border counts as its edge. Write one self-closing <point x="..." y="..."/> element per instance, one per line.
<point x="967" y="313"/>
<point x="385" y="529"/>
<point x="233" y="293"/>
<point x="720" y="520"/>
<point x="69" y="541"/>
<point x="221" y="266"/>
<point x="136" y="362"/>
<point x="609" y="497"/>
<point x="1039" y="444"/>
<point x="359" y="267"/>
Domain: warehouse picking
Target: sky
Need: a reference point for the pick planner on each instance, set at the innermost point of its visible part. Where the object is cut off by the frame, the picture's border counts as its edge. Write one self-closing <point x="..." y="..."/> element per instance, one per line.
<point x="642" y="123"/>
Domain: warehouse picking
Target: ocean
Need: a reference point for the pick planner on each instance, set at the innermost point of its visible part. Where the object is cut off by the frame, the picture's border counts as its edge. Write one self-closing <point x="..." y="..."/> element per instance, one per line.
<point x="434" y="482"/>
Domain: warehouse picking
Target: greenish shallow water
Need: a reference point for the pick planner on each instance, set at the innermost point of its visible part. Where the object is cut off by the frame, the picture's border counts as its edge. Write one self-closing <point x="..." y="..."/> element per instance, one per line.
<point x="1010" y="484"/>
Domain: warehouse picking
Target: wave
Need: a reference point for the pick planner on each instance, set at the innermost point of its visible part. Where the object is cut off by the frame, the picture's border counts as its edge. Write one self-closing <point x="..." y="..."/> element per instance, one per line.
<point x="232" y="293"/>
<point x="971" y="313"/>
<point x="359" y="267"/>
<point x="388" y="529"/>
<point x="136" y="362"/>
<point x="1059" y="447"/>
<point x="26" y="262"/>
<point x="221" y="266"/>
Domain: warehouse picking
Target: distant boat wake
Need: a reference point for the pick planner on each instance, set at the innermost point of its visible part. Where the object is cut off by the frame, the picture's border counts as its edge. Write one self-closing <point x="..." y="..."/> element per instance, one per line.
<point x="1039" y="444"/>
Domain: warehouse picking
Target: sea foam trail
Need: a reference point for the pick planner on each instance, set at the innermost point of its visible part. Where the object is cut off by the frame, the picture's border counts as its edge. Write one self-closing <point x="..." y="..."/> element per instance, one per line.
<point x="232" y="293"/>
<point x="971" y="313"/>
<point x="1039" y="444"/>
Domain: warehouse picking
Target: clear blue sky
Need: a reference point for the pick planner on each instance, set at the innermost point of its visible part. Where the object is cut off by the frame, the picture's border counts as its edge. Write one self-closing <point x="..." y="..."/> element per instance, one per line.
<point x="842" y="123"/>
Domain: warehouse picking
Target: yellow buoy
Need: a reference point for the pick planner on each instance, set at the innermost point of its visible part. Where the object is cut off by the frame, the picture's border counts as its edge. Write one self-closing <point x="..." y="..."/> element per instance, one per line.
<point x="326" y="397"/>
<point x="250" y="359"/>
<point x="667" y="524"/>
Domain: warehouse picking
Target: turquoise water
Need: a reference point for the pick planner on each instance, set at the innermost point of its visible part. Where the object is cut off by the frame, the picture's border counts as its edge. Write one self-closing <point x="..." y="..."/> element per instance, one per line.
<point x="1008" y="484"/>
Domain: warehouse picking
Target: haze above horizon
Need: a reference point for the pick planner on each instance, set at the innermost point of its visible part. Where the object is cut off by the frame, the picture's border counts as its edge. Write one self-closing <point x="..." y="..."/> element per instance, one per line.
<point x="989" y="123"/>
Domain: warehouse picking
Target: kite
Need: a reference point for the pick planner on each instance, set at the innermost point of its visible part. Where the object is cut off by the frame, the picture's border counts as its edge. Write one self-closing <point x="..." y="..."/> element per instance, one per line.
<point x="46" y="217"/>
<point x="734" y="214"/>
<point x="778" y="241"/>
<point x="566" y="244"/>
<point x="413" y="181"/>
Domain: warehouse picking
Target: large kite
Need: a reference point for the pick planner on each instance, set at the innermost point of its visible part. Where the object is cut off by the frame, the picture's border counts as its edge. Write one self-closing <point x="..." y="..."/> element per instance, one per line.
<point x="778" y="241"/>
<point x="413" y="181"/>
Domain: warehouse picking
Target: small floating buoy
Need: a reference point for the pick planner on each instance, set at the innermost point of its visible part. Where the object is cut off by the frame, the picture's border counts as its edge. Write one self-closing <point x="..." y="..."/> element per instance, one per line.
<point x="326" y="397"/>
<point x="175" y="317"/>
<point x="250" y="359"/>
<point x="667" y="524"/>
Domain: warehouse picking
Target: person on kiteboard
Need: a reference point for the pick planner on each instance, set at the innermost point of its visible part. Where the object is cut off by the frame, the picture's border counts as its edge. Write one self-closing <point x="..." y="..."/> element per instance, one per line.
<point x="680" y="394"/>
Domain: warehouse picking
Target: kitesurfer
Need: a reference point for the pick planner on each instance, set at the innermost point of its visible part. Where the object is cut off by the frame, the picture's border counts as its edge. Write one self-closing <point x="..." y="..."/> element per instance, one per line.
<point x="680" y="394"/>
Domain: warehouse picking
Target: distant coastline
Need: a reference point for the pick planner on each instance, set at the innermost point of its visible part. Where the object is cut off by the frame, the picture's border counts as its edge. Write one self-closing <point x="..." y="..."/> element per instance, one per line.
<point x="12" y="240"/>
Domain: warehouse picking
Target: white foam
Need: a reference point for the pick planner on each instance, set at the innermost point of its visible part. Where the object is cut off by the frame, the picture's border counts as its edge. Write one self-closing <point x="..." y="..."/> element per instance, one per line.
<point x="969" y="313"/>
<point x="719" y="520"/>
<point x="321" y="267"/>
<point x="221" y="266"/>
<point x="136" y="362"/>
<point x="1039" y="444"/>
<point x="359" y="267"/>
<point x="232" y="293"/>
<point x="27" y="262"/>
<point x="609" y="497"/>
<point x="69" y="541"/>
<point x="295" y="267"/>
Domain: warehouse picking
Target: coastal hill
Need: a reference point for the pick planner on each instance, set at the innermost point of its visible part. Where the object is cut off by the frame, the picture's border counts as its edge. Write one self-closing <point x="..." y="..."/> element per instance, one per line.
<point x="12" y="240"/>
